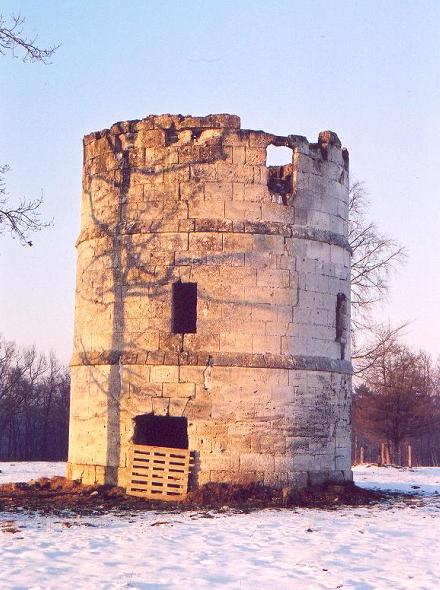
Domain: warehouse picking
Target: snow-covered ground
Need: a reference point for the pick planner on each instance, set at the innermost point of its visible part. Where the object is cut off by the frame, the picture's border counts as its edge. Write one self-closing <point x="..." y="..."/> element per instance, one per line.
<point x="26" y="470"/>
<point x="420" y="480"/>
<point x="388" y="547"/>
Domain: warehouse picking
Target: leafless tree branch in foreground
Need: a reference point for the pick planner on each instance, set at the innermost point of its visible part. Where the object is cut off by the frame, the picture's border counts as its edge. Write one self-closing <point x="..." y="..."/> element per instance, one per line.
<point x="21" y="219"/>
<point x="13" y="39"/>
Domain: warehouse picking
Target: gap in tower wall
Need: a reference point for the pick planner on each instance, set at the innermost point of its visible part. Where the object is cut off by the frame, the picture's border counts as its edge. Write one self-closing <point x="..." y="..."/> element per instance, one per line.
<point x="280" y="179"/>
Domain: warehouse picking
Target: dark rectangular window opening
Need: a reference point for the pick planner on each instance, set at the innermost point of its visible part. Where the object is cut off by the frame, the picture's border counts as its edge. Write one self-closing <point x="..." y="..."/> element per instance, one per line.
<point x="161" y="431"/>
<point x="342" y="321"/>
<point x="184" y="318"/>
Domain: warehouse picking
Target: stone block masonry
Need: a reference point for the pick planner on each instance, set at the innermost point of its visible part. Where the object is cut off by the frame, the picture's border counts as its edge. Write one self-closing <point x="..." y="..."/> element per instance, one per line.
<point x="261" y="375"/>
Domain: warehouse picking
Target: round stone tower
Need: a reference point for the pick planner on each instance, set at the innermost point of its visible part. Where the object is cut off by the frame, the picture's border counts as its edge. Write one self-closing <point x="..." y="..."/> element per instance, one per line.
<point x="212" y="303"/>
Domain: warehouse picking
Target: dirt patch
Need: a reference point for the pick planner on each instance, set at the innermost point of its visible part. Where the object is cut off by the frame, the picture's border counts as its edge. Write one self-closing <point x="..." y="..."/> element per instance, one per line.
<point x="58" y="495"/>
<point x="9" y="526"/>
<point x="328" y="495"/>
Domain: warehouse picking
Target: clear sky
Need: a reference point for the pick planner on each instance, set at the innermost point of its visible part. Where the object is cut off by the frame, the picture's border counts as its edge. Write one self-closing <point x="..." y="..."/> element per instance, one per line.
<point x="368" y="70"/>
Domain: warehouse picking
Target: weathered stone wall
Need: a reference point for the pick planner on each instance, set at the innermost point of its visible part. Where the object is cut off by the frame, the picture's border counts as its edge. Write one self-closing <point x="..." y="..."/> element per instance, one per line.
<point x="265" y="381"/>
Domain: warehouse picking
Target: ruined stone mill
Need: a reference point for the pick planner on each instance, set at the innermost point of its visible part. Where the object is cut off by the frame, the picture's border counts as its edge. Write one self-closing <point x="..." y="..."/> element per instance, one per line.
<point x="212" y="309"/>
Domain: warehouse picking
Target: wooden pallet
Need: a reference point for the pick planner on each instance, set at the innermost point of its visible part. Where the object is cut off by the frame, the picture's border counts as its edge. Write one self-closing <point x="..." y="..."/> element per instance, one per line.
<point x="159" y="473"/>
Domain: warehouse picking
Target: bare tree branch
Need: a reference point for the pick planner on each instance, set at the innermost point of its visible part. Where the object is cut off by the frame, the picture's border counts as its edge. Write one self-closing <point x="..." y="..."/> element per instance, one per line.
<point x="374" y="255"/>
<point x="374" y="258"/>
<point x="376" y="339"/>
<point x="22" y="219"/>
<point x="13" y="38"/>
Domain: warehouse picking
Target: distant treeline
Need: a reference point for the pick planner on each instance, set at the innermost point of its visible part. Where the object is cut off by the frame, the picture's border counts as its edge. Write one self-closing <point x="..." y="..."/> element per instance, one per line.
<point x="396" y="408"/>
<point x="34" y="405"/>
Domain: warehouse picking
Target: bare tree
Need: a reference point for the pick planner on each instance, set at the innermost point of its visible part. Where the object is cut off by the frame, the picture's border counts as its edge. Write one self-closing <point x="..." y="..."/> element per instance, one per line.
<point x="23" y="218"/>
<point x="398" y="400"/>
<point x="375" y="256"/>
<point x="34" y="405"/>
<point x="14" y="40"/>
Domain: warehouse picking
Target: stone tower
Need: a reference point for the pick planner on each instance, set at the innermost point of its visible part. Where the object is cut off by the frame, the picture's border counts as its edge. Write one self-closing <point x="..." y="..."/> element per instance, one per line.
<point x="212" y="303"/>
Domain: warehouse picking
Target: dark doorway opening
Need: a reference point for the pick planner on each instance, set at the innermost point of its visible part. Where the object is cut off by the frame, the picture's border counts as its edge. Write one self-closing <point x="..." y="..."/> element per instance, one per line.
<point x="161" y="431"/>
<point x="184" y="318"/>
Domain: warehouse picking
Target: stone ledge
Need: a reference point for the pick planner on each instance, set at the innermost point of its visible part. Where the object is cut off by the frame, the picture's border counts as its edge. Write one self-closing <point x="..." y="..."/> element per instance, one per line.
<point x="221" y="226"/>
<point x="303" y="232"/>
<point x="200" y="226"/>
<point x="223" y="359"/>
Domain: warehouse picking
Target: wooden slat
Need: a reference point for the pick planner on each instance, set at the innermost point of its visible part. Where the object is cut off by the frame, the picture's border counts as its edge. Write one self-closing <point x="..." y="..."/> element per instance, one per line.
<point x="159" y="472"/>
<point x="147" y="478"/>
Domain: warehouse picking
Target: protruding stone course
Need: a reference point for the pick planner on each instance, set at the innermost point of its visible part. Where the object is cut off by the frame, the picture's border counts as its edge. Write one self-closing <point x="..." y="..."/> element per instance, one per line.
<point x="263" y="381"/>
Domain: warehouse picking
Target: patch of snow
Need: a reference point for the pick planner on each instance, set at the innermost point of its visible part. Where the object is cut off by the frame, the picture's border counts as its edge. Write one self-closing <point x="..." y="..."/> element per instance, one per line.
<point x="12" y="471"/>
<point x="392" y="545"/>
<point x="419" y="480"/>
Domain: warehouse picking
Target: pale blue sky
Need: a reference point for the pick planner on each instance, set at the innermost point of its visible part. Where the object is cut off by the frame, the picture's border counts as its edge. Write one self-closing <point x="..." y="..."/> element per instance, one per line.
<point x="368" y="70"/>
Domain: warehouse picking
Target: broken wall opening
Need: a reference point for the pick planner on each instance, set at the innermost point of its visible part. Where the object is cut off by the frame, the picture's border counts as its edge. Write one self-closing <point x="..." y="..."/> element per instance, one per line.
<point x="279" y="165"/>
<point x="161" y="431"/>
<point x="171" y="135"/>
